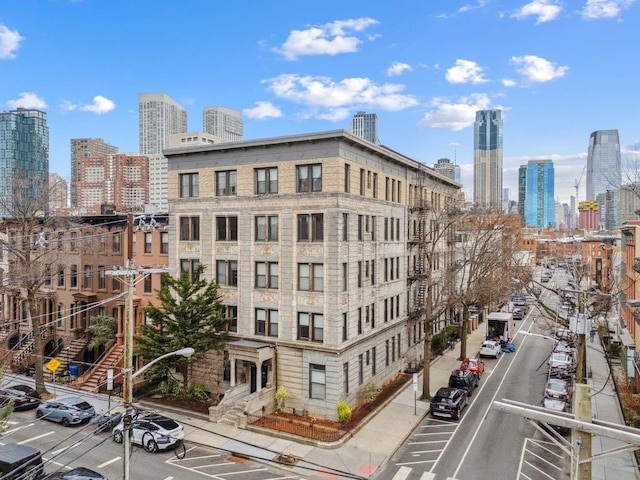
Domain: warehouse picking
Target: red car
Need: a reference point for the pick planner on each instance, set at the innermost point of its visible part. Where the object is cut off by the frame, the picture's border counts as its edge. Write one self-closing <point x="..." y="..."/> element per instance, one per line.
<point x="474" y="364"/>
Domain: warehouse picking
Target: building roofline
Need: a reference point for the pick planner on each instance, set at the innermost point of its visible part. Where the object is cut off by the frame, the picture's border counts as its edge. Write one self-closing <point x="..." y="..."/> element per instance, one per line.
<point x="379" y="150"/>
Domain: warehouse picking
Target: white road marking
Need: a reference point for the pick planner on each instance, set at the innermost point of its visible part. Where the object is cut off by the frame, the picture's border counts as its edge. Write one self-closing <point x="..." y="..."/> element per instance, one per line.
<point x="17" y="428"/>
<point x="109" y="462"/>
<point x="56" y="452"/>
<point x="402" y="473"/>
<point x="428" y="476"/>
<point x="36" y="438"/>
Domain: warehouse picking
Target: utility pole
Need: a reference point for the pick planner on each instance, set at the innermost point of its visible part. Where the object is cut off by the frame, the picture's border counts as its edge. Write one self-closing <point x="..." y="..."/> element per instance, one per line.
<point x="128" y="275"/>
<point x="582" y="397"/>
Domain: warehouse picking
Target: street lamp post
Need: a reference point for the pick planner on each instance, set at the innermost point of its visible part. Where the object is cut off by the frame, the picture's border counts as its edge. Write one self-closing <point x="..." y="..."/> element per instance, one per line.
<point x="127" y="400"/>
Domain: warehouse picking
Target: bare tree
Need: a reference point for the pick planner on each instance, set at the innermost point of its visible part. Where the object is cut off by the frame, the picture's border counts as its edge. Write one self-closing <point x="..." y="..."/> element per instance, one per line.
<point x="486" y="266"/>
<point x="433" y="239"/>
<point x="29" y="229"/>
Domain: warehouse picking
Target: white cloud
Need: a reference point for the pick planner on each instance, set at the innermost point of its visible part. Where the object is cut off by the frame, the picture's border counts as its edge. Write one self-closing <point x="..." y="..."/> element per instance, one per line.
<point x="465" y="71"/>
<point x="455" y="115"/>
<point x="328" y="39"/>
<point x="263" y="110"/>
<point x="99" y="106"/>
<point x="509" y="82"/>
<point x="9" y="42"/>
<point x="594" y="9"/>
<point x="398" y="68"/>
<point x="545" y="10"/>
<point x="325" y="95"/>
<point x="27" y="100"/>
<point x="537" y="69"/>
<point x="468" y="7"/>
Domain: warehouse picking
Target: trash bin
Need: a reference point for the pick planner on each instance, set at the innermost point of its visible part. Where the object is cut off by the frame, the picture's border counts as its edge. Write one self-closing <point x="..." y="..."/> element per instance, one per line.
<point x="74" y="370"/>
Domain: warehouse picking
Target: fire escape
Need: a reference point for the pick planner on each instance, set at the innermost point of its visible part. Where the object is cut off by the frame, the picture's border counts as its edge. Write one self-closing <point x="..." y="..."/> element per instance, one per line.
<point x="419" y="244"/>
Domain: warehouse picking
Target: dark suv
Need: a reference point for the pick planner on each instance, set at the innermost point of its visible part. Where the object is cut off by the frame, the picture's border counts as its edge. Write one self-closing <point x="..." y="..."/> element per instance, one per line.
<point x="464" y="380"/>
<point x="448" y="402"/>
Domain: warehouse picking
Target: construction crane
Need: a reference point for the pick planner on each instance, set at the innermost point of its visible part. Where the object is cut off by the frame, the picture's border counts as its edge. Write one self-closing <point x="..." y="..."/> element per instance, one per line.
<point x="577" y="185"/>
<point x="578" y="182"/>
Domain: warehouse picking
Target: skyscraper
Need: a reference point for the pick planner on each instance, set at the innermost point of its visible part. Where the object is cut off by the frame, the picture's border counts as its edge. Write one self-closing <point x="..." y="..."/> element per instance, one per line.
<point x="522" y="192"/>
<point x="365" y="125"/>
<point x="539" y="202"/>
<point x="487" y="159"/>
<point x="604" y="175"/>
<point x="223" y="122"/>
<point x="57" y="193"/>
<point x="448" y="169"/>
<point x="83" y="148"/>
<point x="159" y="116"/>
<point x="24" y="153"/>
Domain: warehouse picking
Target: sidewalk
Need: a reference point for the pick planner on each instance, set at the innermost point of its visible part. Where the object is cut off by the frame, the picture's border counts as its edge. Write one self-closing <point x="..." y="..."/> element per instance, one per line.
<point x="606" y="407"/>
<point x="363" y="454"/>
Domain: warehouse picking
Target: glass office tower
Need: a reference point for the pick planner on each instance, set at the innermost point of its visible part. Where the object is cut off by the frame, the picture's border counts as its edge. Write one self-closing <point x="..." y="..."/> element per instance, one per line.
<point x="539" y="203"/>
<point x="24" y="154"/>
<point x="487" y="159"/>
<point x="604" y="175"/>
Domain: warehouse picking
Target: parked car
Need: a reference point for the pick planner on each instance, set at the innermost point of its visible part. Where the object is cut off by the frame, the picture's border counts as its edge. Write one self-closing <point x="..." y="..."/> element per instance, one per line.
<point x="449" y="403"/>
<point x="106" y="421"/>
<point x="563" y="346"/>
<point x="464" y="380"/>
<point x="557" y="388"/>
<point x="80" y="473"/>
<point x="556" y="405"/>
<point x="560" y="360"/>
<point x="21" y="401"/>
<point x="67" y="410"/>
<point x="20" y="462"/>
<point x="32" y="392"/>
<point x="153" y="432"/>
<point x="518" y="313"/>
<point x="473" y="364"/>
<point x="490" y="348"/>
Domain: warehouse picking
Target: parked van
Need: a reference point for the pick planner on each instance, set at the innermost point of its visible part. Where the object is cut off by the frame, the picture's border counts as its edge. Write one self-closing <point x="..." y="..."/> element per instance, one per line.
<point x="20" y="462"/>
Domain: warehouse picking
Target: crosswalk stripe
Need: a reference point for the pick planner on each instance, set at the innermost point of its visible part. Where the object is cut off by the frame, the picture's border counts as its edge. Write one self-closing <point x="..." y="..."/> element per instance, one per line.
<point x="402" y="473"/>
<point x="428" y="476"/>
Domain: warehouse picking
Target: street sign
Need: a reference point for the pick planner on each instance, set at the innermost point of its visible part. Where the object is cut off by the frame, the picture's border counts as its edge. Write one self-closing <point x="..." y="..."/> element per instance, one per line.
<point x="415" y="382"/>
<point x="110" y="379"/>
<point x="53" y="365"/>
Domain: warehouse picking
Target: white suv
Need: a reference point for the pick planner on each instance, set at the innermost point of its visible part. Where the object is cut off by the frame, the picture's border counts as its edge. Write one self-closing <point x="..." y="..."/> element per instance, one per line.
<point x="153" y="432"/>
<point x="490" y="348"/>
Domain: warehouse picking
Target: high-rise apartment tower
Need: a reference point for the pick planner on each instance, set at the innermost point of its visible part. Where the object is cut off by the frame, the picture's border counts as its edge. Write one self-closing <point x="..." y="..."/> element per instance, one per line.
<point x="365" y="125"/>
<point x="83" y="148"/>
<point x="487" y="159"/>
<point x="159" y="116"/>
<point x="223" y="122"/>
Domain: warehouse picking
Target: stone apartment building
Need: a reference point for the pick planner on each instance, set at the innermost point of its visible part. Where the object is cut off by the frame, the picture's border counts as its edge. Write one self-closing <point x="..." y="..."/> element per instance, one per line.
<point x="309" y="238"/>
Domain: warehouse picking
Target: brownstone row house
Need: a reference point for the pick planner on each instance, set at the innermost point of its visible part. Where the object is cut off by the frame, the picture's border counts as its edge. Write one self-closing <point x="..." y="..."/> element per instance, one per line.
<point x="80" y="287"/>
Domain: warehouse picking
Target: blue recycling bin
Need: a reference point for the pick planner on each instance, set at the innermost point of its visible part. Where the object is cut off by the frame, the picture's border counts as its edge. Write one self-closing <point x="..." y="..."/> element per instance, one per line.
<point x="74" y="370"/>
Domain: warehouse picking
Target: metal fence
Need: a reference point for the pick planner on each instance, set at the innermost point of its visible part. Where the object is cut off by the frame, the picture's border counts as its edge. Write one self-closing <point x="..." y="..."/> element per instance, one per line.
<point x="302" y="427"/>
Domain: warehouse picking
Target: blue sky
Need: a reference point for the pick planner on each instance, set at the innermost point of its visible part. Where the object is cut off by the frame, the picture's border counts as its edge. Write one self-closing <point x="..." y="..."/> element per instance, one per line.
<point x="559" y="69"/>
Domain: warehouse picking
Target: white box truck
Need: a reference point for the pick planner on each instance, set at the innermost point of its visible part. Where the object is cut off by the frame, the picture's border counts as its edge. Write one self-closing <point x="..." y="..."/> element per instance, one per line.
<point x="501" y="327"/>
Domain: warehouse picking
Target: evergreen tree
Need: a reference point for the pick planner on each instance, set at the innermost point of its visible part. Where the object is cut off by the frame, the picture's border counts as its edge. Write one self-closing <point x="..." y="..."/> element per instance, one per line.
<point x="191" y="315"/>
